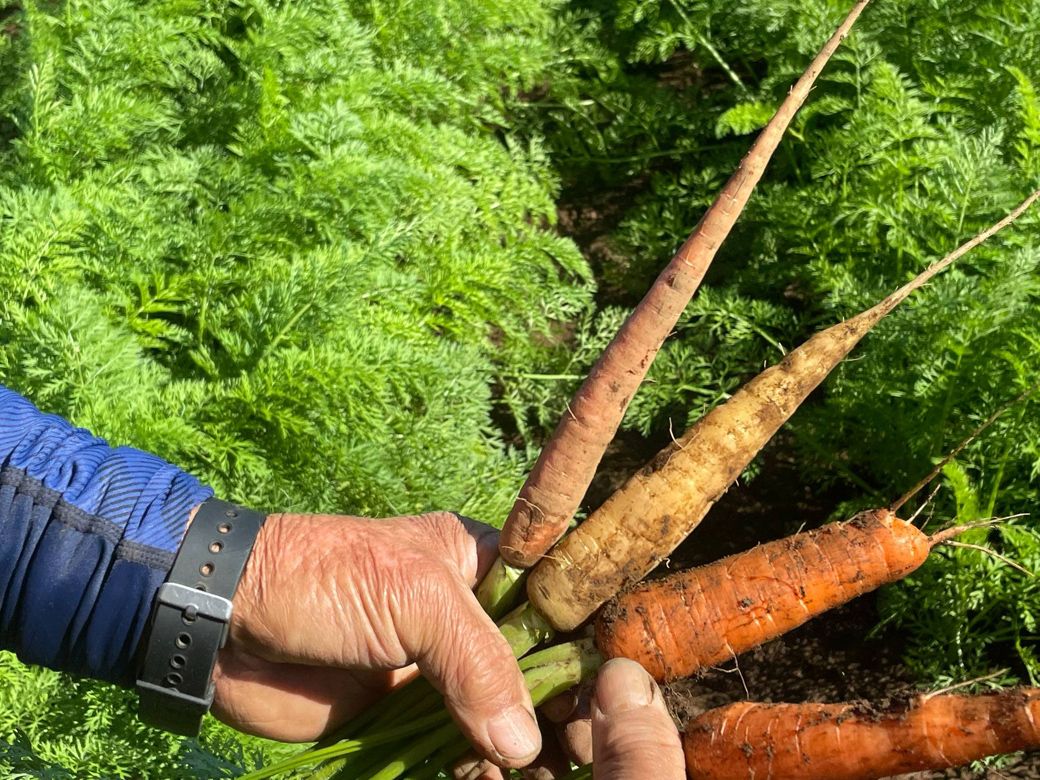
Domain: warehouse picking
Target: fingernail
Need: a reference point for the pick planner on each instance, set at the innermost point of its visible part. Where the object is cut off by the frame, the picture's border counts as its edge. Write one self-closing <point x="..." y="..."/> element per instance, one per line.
<point x="622" y="686"/>
<point x="514" y="733"/>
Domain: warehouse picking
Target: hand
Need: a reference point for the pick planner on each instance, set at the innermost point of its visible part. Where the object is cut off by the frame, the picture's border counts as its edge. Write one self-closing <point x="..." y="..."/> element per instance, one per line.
<point x="332" y="611"/>
<point x="623" y="728"/>
<point x="633" y="736"/>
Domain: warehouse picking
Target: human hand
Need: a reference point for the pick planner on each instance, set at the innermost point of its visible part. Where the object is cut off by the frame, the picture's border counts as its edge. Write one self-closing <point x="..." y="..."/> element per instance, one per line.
<point x="332" y="612"/>
<point x="623" y="728"/>
<point x="633" y="736"/>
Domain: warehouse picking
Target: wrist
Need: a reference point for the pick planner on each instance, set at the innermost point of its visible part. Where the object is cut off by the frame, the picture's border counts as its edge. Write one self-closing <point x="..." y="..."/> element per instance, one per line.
<point x="192" y="616"/>
<point x="249" y="628"/>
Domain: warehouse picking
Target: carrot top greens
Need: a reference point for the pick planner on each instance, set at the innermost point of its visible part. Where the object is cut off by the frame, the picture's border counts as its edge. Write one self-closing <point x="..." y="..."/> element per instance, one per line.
<point x="318" y="241"/>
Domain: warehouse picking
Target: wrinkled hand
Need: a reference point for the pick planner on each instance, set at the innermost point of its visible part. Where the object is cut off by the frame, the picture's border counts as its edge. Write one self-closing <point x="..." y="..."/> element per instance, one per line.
<point x="623" y="728"/>
<point x="333" y="611"/>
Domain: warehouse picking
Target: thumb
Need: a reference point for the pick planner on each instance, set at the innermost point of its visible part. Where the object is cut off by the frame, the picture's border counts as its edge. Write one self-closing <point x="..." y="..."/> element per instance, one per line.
<point x="633" y="736"/>
<point x="461" y="651"/>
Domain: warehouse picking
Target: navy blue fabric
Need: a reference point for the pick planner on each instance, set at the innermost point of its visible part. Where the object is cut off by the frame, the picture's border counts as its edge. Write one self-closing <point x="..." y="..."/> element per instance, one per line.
<point x="88" y="533"/>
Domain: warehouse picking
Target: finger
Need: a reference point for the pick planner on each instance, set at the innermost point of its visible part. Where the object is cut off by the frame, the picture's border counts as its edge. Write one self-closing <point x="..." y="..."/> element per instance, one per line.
<point x="633" y="734"/>
<point x="290" y="702"/>
<point x="575" y="734"/>
<point x="469" y="545"/>
<point x="462" y="652"/>
<point x="486" y="539"/>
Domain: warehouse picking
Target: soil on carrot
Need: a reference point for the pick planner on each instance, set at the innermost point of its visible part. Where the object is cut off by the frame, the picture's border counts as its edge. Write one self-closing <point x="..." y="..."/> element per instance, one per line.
<point x="830" y="658"/>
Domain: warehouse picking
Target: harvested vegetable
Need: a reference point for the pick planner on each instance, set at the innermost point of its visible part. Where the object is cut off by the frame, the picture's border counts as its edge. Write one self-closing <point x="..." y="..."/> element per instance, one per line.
<point x="568" y="461"/>
<point x="697" y="618"/>
<point x="857" y="741"/>
<point x="656" y="509"/>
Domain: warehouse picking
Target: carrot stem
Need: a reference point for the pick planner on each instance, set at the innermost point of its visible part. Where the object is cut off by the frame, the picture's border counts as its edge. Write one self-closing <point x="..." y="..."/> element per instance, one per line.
<point x="546" y="674"/>
<point x="441" y="760"/>
<point x="924" y="481"/>
<point x="525" y="628"/>
<point x="424" y="705"/>
<point x="432" y="743"/>
<point x="347" y="747"/>
<point x="500" y="589"/>
<point x="393" y="702"/>
<point x="559" y="653"/>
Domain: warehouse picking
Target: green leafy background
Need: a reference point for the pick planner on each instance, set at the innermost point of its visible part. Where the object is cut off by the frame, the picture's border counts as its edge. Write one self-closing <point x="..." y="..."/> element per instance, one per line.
<point x="309" y="252"/>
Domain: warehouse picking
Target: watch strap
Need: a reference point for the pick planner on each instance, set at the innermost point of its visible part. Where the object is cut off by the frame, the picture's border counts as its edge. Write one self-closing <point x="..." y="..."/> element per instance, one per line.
<point x="191" y="617"/>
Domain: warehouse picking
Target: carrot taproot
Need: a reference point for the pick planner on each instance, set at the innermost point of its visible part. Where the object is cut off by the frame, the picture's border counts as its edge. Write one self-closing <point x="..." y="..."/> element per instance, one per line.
<point x="857" y="741"/>
<point x="685" y="622"/>
<point x="568" y="461"/>
<point x="640" y="524"/>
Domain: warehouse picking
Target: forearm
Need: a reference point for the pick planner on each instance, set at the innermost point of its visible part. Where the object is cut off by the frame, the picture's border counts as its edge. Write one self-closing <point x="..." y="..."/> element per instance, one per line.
<point x="88" y="532"/>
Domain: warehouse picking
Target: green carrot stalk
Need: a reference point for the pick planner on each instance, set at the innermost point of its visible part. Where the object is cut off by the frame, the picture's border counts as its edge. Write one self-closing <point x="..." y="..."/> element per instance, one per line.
<point x="500" y="589"/>
<point x="383" y="711"/>
<point x="429" y="745"/>
<point x="572" y="664"/>
<point x="428" y="703"/>
<point x="565" y="666"/>
<point x="348" y="747"/>
<point x="441" y="760"/>
<point x="525" y="628"/>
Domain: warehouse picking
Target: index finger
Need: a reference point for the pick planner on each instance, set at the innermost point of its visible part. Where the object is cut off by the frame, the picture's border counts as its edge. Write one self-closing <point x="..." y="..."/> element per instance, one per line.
<point x="485" y="537"/>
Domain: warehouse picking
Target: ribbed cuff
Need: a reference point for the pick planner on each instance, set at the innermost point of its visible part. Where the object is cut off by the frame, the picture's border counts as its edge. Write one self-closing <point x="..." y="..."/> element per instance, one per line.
<point x="88" y="532"/>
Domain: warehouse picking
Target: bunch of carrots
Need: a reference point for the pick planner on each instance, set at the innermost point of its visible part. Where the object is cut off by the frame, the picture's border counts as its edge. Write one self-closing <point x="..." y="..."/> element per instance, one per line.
<point x="680" y="624"/>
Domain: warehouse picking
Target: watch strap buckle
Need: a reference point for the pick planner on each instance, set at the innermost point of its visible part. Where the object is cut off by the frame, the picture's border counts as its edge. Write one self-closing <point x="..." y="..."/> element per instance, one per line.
<point x="194" y="604"/>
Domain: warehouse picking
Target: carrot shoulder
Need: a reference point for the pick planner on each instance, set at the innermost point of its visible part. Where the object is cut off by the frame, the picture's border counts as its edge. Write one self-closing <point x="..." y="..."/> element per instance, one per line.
<point x="697" y="618"/>
<point x="656" y="509"/>
<point x="858" y="741"/>
<point x="568" y="461"/>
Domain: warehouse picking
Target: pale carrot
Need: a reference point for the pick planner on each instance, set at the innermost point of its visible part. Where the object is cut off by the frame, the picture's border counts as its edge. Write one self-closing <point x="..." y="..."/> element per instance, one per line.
<point x="656" y="509"/>
<point x="568" y="462"/>
<point x="859" y="741"/>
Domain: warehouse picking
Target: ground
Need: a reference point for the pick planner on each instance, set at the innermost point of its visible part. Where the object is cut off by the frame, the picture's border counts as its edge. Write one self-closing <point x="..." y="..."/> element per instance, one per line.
<point x="828" y="659"/>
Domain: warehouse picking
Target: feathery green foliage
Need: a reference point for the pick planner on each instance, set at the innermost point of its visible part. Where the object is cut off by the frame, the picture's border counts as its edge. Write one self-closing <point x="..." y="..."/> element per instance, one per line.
<point x="294" y="248"/>
<point x="307" y="252"/>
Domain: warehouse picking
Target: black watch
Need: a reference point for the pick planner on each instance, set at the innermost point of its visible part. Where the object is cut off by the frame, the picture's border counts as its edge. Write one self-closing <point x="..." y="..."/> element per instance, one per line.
<point x="191" y="617"/>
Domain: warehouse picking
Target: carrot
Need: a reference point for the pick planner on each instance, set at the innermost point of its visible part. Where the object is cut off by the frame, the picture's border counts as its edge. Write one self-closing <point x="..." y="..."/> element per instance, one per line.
<point x="685" y="622"/>
<point x="567" y="463"/>
<point x="655" y="510"/>
<point x="858" y="741"/>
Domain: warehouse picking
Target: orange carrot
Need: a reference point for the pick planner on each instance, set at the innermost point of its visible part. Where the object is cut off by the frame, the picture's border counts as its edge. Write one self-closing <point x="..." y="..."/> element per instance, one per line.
<point x="656" y="509"/>
<point x="682" y="623"/>
<point x="856" y="741"/>
<point x="568" y="461"/>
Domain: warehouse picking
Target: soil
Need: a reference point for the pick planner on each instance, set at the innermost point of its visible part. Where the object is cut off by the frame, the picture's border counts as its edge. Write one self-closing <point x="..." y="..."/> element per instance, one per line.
<point x="829" y="659"/>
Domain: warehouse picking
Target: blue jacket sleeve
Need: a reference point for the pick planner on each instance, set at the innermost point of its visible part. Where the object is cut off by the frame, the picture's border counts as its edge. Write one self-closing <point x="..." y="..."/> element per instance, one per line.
<point x="88" y="533"/>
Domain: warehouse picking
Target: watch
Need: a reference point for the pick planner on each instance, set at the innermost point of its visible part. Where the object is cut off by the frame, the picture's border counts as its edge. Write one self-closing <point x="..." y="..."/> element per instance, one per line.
<point x="191" y="617"/>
